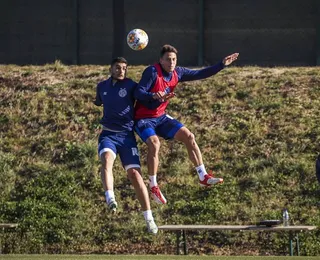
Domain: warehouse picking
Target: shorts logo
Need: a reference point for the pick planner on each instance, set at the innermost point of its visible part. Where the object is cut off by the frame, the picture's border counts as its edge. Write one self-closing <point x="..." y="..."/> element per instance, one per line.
<point x="130" y="124"/>
<point x="122" y="92"/>
<point x="135" y="151"/>
<point x="141" y="123"/>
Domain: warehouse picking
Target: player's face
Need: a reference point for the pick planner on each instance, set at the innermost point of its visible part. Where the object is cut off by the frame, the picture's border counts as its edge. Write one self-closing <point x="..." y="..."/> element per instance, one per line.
<point x="169" y="61"/>
<point x="118" y="70"/>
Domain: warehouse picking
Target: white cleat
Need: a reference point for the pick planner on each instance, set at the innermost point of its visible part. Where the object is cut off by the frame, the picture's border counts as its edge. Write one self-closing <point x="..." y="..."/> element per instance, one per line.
<point x="113" y="205"/>
<point x="152" y="227"/>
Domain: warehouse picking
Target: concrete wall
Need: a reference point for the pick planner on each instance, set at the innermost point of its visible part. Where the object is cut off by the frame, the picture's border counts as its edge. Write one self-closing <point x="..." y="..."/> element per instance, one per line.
<point x="265" y="32"/>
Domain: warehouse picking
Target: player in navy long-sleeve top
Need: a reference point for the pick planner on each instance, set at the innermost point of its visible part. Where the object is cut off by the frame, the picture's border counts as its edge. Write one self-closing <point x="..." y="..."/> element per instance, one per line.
<point x="154" y="90"/>
<point x="117" y="137"/>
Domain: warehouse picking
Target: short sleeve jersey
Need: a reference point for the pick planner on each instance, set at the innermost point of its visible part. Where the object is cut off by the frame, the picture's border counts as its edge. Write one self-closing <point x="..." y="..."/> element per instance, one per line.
<point x="118" y="103"/>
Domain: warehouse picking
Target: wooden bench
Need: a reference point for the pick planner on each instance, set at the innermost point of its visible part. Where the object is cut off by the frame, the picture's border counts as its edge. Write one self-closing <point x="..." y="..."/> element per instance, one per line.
<point x="3" y="227"/>
<point x="181" y="230"/>
<point x="8" y="225"/>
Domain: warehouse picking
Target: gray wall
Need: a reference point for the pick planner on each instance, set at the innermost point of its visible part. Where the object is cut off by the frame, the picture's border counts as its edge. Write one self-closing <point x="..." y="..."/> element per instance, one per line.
<point x="265" y="32"/>
<point x="272" y="32"/>
<point x="35" y="31"/>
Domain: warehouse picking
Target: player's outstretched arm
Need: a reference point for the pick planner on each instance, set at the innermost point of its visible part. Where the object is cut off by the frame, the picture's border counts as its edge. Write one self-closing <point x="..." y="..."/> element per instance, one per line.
<point x="229" y="59"/>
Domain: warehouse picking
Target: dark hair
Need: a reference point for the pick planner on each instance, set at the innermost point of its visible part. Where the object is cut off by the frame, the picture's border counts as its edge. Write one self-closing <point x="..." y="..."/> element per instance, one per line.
<point x="167" y="48"/>
<point x="118" y="60"/>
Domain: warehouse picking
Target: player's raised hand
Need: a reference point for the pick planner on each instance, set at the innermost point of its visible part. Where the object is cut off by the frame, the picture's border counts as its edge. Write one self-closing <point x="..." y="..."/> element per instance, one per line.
<point x="229" y="59"/>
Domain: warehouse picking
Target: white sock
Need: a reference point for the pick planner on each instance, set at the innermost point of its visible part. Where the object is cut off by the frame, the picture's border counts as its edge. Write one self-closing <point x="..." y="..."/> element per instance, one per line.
<point x="201" y="171"/>
<point x="153" y="180"/>
<point x="109" y="195"/>
<point x="148" y="215"/>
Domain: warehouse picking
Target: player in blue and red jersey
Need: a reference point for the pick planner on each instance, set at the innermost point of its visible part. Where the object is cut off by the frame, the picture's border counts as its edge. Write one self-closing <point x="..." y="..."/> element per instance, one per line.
<point x="154" y="90"/>
<point x="117" y="136"/>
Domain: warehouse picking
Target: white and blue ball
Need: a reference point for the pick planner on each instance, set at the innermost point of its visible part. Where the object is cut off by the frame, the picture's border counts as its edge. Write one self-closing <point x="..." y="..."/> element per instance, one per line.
<point x="137" y="39"/>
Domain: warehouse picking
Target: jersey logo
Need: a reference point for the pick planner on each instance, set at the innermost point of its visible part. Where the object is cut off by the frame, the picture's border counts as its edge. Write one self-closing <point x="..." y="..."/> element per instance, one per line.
<point x="122" y="92"/>
<point x="104" y="93"/>
<point x="135" y="151"/>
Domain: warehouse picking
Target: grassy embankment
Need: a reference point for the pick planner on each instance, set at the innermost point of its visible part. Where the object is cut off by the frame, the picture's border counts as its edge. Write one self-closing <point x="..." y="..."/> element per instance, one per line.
<point x="258" y="128"/>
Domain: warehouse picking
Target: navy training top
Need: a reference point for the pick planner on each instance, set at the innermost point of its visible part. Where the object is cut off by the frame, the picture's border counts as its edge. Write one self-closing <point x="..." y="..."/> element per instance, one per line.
<point x="118" y="103"/>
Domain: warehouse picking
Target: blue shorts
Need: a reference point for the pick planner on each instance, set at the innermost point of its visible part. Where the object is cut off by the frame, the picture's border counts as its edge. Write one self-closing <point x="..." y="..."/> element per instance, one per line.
<point x="164" y="126"/>
<point x="122" y="143"/>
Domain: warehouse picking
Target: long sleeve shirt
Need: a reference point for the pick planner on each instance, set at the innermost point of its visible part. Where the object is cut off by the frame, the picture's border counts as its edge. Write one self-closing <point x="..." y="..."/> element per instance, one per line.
<point x="143" y="92"/>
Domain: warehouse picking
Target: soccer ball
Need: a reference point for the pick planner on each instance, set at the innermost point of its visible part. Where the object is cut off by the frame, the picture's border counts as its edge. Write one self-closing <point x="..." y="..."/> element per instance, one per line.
<point x="137" y="39"/>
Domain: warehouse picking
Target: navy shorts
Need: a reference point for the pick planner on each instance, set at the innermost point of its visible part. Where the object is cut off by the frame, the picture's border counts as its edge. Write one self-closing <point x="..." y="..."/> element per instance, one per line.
<point x="122" y="143"/>
<point x="164" y="126"/>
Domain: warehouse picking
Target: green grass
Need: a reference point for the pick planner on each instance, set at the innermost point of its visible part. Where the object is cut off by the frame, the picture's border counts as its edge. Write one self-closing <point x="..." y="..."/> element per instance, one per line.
<point x="258" y="128"/>
<point x="141" y="257"/>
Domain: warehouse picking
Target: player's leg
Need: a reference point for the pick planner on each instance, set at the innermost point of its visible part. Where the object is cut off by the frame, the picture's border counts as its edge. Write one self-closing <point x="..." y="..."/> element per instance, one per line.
<point x="107" y="154"/>
<point x="153" y="144"/>
<point x="139" y="186"/>
<point x="142" y="194"/>
<point x="185" y="136"/>
<point x="145" y="128"/>
<point x="129" y="156"/>
<point x="107" y="160"/>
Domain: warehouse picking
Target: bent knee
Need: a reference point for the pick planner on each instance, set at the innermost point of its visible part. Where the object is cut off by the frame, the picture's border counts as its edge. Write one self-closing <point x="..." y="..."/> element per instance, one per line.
<point x="107" y="159"/>
<point x="153" y="143"/>
<point x="191" y="137"/>
<point x="133" y="173"/>
<point x="188" y="137"/>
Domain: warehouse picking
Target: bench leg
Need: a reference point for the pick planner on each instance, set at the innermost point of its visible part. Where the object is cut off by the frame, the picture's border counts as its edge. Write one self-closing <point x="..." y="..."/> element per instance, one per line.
<point x="298" y="245"/>
<point x="293" y="237"/>
<point x="2" y="232"/>
<point x="290" y="243"/>
<point x="183" y="242"/>
<point x="185" y="246"/>
<point x="178" y="241"/>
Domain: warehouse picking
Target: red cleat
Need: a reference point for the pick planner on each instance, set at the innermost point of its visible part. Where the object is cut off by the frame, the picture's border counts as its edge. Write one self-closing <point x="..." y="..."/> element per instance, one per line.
<point x="210" y="180"/>
<point x="157" y="195"/>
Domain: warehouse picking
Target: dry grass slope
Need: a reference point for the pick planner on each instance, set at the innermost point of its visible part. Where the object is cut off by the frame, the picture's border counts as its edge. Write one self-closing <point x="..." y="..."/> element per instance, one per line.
<point x="258" y="128"/>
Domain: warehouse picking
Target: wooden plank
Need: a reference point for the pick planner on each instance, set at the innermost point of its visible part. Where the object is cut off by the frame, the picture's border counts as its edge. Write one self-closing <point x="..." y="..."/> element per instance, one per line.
<point x="283" y="228"/>
<point x="236" y="227"/>
<point x="8" y="225"/>
<point x="203" y="227"/>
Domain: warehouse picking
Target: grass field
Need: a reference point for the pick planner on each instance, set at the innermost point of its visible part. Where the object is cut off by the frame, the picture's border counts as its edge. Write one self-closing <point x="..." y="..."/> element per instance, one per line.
<point x="258" y="128"/>
<point x="154" y="257"/>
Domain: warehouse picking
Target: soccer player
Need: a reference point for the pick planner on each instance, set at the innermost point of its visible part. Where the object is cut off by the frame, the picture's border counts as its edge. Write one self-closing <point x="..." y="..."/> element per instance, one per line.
<point x="154" y="90"/>
<point x="117" y="137"/>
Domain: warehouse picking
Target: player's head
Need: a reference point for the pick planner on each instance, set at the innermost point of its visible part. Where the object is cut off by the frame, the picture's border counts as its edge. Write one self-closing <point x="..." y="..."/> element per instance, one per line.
<point x="168" y="57"/>
<point x="118" y="69"/>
